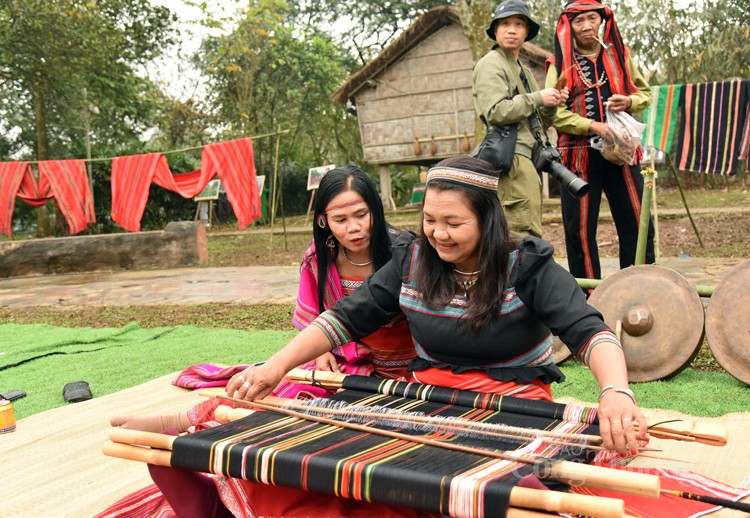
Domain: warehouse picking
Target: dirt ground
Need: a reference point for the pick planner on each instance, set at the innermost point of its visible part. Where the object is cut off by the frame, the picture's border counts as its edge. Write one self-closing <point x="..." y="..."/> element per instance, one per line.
<point x="723" y="235"/>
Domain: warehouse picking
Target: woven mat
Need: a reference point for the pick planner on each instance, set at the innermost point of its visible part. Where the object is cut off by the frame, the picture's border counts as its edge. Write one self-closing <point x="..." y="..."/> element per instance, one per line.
<point x="53" y="464"/>
<point x="729" y="464"/>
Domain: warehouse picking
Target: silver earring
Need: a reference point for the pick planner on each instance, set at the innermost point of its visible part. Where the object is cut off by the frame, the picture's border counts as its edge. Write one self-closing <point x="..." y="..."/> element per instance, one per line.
<point x="322" y="220"/>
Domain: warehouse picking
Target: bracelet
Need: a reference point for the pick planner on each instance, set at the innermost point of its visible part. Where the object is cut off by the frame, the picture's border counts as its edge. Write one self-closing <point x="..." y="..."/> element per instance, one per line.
<point x="625" y="391"/>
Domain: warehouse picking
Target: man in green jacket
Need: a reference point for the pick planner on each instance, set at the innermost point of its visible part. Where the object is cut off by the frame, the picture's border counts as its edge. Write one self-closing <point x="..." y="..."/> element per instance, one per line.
<point x="505" y="93"/>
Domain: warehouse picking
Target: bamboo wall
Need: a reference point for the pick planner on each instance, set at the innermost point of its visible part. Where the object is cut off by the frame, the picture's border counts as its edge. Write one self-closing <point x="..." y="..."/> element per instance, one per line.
<point x="426" y="94"/>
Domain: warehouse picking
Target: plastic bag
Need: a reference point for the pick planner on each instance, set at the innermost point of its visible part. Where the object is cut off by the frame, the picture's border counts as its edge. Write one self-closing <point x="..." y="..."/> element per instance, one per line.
<point x="625" y="134"/>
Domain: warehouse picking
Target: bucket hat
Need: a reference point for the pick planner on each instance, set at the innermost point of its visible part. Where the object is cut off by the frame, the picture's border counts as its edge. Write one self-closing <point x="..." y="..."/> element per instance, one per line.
<point x="511" y="8"/>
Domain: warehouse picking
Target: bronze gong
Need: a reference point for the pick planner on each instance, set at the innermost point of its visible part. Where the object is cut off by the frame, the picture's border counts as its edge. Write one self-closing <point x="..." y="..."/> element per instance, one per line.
<point x="728" y="322"/>
<point x="661" y="318"/>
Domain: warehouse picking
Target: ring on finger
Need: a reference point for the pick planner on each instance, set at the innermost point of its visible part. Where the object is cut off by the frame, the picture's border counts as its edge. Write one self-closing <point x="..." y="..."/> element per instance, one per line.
<point x="615" y="421"/>
<point x="247" y="385"/>
<point x="242" y="378"/>
<point x="626" y="419"/>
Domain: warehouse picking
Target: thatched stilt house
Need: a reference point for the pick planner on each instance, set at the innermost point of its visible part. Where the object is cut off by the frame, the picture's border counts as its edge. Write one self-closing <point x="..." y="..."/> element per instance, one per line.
<point x="413" y="101"/>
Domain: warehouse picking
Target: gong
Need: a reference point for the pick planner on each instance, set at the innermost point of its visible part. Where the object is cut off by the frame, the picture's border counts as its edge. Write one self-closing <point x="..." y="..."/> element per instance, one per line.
<point x="661" y="319"/>
<point x="728" y="322"/>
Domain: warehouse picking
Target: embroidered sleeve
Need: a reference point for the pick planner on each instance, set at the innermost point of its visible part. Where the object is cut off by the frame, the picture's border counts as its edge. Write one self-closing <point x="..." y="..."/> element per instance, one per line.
<point x="333" y="328"/>
<point x="602" y="337"/>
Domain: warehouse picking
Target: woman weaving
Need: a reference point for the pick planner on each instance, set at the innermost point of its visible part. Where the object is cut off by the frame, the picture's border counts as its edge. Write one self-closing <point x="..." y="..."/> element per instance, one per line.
<point x="480" y="307"/>
<point x="351" y="239"/>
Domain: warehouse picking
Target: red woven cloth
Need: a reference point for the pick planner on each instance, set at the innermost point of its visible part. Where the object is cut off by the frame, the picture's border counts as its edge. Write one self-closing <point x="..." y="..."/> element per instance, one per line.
<point x="131" y="178"/>
<point x="148" y="502"/>
<point x="11" y="176"/>
<point x="231" y="161"/>
<point x="64" y="180"/>
<point x="677" y="480"/>
<point x="234" y="163"/>
<point x="69" y="183"/>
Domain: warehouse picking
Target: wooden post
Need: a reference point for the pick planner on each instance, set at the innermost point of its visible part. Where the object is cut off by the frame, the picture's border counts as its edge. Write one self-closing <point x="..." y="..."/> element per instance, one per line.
<point x="386" y="193"/>
<point x="309" y="205"/>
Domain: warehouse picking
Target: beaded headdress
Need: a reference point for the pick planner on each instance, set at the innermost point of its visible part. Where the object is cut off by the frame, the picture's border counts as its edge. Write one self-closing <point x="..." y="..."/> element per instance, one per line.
<point x="463" y="177"/>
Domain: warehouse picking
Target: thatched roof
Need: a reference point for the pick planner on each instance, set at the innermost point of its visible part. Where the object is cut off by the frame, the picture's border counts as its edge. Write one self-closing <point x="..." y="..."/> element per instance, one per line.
<point x="424" y="26"/>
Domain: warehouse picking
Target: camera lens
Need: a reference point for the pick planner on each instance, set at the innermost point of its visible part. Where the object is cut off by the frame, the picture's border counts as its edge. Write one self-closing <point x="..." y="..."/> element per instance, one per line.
<point x="573" y="184"/>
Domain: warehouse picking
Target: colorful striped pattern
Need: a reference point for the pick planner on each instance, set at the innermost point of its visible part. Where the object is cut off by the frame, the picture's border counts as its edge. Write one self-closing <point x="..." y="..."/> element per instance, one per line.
<point x="712" y="119"/>
<point x="231" y="161"/>
<point x="145" y="503"/>
<point x="466" y="398"/>
<point x="745" y="142"/>
<point x="206" y="375"/>
<point x="675" y="480"/>
<point x="131" y="179"/>
<point x="274" y="449"/>
<point x="11" y="176"/>
<point x="470" y="178"/>
<point x="65" y="181"/>
<point x="234" y="163"/>
<point x="661" y="117"/>
<point x="69" y="183"/>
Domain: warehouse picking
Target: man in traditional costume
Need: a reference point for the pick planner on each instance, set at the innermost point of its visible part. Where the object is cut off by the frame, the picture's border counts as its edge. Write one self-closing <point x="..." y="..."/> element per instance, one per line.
<point x="597" y="71"/>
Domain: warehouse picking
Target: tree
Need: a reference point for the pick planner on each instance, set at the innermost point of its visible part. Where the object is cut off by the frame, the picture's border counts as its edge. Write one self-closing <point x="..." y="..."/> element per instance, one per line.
<point x="268" y="73"/>
<point x="50" y="51"/>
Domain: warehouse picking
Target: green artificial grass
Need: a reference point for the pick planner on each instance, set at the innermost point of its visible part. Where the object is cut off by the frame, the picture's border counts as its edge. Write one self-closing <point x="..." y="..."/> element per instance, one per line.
<point x="115" y="359"/>
<point x="699" y="393"/>
<point x="40" y="359"/>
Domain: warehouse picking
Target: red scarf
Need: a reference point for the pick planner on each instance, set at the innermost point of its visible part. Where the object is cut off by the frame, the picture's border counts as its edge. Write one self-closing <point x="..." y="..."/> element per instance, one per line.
<point x="614" y="59"/>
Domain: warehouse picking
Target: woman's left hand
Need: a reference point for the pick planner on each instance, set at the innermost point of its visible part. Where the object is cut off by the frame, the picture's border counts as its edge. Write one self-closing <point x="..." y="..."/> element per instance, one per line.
<point x="621" y="423"/>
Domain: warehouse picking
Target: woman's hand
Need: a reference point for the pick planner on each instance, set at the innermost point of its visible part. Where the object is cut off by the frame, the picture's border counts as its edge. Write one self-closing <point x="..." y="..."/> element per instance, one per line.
<point x="255" y="382"/>
<point x="618" y="415"/>
<point x="327" y="362"/>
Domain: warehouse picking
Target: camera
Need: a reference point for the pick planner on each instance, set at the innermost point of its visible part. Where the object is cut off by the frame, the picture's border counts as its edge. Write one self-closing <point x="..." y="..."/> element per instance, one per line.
<point x="547" y="158"/>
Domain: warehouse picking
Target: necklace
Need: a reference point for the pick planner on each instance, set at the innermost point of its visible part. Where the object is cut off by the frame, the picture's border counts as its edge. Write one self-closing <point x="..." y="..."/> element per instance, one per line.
<point x="368" y="263"/>
<point x="470" y="274"/>
<point x="585" y="80"/>
<point x="467" y="285"/>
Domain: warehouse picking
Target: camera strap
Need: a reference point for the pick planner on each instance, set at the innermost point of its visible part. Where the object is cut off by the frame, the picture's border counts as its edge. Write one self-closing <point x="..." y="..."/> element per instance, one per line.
<point x="536" y="126"/>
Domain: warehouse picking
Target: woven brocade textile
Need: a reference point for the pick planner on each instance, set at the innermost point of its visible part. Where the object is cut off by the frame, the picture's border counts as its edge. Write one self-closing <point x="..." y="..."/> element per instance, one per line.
<point x="712" y="117"/>
<point x="272" y="448"/>
<point x="661" y="117"/>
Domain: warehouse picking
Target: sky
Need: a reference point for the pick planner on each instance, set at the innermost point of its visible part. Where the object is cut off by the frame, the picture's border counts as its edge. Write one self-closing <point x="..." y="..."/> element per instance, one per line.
<point x="173" y="71"/>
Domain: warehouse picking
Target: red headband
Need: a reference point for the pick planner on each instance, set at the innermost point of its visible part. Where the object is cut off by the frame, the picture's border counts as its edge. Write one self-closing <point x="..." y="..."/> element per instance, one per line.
<point x="342" y="205"/>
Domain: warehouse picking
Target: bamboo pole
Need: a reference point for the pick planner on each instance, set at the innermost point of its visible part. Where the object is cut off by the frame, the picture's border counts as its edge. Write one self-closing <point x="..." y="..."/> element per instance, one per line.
<point x="655" y="210"/>
<point x="590" y="284"/>
<point x="648" y="190"/>
<point x="684" y="200"/>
